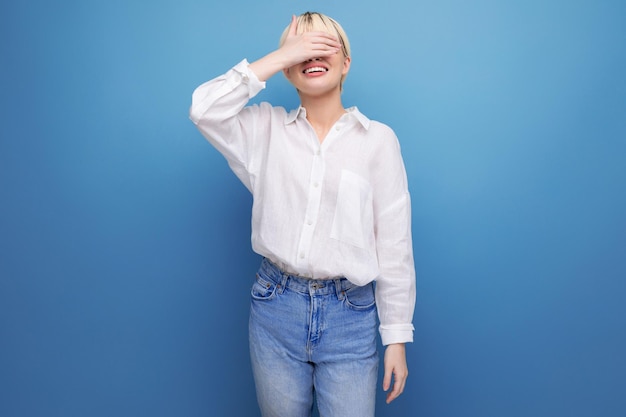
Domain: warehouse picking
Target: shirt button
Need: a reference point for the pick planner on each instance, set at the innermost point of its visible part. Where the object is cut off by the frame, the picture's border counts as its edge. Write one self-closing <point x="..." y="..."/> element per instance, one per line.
<point x="309" y="222"/>
<point x="337" y="128"/>
<point x="316" y="184"/>
<point x="301" y="255"/>
<point x="317" y="152"/>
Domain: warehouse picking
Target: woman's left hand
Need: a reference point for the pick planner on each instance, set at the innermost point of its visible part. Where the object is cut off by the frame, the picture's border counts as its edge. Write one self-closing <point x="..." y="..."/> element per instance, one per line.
<point x="395" y="365"/>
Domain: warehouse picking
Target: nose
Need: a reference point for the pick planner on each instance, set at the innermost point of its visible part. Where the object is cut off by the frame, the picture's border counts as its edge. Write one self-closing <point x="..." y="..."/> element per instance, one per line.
<point x="313" y="59"/>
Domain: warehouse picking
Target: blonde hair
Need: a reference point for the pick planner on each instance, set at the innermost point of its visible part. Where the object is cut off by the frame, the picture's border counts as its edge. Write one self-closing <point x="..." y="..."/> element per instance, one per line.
<point x="318" y="22"/>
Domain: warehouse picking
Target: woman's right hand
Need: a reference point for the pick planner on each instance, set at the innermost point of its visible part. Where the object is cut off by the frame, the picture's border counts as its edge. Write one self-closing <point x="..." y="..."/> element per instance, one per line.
<point x="296" y="49"/>
<point x="307" y="45"/>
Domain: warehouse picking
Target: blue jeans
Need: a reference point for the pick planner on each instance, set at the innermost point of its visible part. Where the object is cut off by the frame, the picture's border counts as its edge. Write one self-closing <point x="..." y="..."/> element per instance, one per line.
<point x="312" y="337"/>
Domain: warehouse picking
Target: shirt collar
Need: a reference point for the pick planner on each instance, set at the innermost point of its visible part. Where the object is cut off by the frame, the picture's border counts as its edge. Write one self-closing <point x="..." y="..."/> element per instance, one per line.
<point x="352" y="112"/>
<point x="293" y="115"/>
<point x="360" y="117"/>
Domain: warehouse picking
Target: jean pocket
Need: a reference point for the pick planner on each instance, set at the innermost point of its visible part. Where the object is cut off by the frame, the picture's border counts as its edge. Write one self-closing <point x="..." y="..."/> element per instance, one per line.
<point x="360" y="298"/>
<point x="263" y="289"/>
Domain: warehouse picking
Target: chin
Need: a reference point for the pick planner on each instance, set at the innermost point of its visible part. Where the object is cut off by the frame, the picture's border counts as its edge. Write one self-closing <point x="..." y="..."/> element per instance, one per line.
<point x="318" y="91"/>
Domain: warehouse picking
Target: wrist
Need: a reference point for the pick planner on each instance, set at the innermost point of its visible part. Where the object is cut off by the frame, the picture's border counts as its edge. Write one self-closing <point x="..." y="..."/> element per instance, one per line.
<point x="265" y="67"/>
<point x="397" y="345"/>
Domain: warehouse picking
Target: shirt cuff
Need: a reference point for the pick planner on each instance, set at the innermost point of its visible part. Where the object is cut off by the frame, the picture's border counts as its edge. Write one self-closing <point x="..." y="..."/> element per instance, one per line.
<point x="249" y="77"/>
<point x="396" y="333"/>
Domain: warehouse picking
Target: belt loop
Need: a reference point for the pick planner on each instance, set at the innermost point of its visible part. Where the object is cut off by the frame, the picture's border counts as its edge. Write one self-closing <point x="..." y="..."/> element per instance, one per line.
<point x="283" y="283"/>
<point x="341" y="294"/>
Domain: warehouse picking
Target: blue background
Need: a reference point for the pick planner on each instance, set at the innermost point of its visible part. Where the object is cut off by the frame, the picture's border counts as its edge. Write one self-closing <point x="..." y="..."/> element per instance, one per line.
<point x="125" y="260"/>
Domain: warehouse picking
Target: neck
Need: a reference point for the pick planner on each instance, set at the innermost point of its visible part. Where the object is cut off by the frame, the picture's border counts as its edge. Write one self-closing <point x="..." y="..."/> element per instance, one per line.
<point x="322" y="112"/>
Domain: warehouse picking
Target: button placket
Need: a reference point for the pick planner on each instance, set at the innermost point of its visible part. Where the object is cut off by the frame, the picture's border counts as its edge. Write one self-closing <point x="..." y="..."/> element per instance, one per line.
<point x="312" y="209"/>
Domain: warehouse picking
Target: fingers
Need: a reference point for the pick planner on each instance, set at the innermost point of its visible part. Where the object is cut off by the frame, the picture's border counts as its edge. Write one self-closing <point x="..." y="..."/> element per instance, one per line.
<point x="293" y="27"/>
<point x="299" y="49"/>
<point x="316" y="40"/>
<point x="387" y="378"/>
<point x="325" y="37"/>
<point x="320" y="42"/>
<point x="399" y="382"/>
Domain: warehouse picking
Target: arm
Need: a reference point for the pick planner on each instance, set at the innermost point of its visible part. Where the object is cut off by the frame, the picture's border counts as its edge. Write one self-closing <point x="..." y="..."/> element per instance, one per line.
<point x="218" y="106"/>
<point x="295" y="49"/>
<point x="395" y="290"/>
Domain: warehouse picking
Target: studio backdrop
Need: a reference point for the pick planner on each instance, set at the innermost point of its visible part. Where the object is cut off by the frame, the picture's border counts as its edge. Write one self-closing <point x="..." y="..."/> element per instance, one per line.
<point x="125" y="259"/>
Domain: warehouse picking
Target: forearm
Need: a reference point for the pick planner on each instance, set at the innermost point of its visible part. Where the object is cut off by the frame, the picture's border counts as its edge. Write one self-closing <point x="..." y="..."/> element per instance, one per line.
<point x="396" y="303"/>
<point x="395" y="290"/>
<point x="264" y="68"/>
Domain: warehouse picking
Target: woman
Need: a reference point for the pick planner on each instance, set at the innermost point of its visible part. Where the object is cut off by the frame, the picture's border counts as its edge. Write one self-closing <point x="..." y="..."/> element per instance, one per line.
<point x="331" y="217"/>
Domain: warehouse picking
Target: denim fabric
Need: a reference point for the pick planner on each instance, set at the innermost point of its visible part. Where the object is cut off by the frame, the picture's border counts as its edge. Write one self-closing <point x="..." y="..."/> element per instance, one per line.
<point x="312" y="337"/>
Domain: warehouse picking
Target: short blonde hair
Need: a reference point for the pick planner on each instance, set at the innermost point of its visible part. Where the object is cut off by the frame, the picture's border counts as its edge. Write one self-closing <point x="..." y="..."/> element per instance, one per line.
<point x="318" y="22"/>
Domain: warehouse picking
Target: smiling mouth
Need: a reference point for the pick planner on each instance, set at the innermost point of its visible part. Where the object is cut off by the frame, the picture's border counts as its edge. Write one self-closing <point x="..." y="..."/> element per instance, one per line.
<point x="314" y="69"/>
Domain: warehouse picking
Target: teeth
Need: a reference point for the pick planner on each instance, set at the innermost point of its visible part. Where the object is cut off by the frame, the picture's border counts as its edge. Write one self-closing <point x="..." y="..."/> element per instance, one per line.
<point x="315" y="69"/>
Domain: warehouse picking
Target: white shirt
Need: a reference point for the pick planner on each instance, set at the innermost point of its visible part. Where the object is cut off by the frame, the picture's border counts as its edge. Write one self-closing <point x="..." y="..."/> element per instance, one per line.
<point x="321" y="210"/>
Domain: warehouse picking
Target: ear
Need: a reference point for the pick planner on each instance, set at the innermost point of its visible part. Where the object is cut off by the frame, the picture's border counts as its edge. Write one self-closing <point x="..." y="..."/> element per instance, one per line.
<point x="287" y="74"/>
<point x="346" y="65"/>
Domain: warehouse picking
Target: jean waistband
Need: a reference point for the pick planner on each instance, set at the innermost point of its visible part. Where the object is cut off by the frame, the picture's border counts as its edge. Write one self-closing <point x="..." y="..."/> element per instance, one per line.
<point x="305" y="285"/>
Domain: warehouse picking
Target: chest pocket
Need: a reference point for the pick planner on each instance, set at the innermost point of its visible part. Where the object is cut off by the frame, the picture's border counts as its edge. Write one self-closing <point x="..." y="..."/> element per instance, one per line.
<point x="353" y="220"/>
